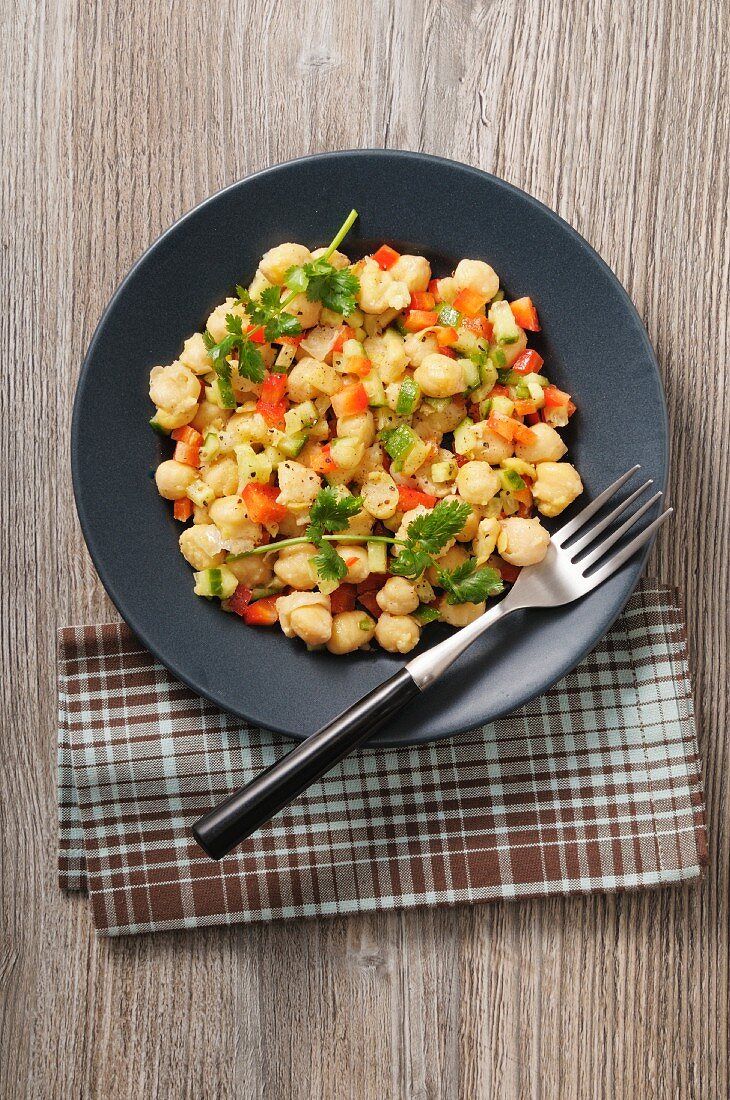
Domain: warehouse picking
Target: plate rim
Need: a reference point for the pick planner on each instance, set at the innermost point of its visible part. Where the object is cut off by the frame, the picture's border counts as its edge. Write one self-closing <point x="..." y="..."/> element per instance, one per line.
<point x="406" y="737"/>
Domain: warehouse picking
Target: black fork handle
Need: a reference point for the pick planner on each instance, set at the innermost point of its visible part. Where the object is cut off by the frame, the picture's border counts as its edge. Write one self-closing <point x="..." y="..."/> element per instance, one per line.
<point x="246" y="810"/>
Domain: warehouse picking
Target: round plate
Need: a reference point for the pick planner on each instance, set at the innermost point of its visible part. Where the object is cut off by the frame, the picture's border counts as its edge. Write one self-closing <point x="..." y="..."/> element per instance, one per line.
<point x="592" y="339"/>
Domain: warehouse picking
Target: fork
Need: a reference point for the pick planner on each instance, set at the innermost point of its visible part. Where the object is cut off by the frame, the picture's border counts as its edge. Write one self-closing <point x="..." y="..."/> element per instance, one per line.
<point x="565" y="574"/>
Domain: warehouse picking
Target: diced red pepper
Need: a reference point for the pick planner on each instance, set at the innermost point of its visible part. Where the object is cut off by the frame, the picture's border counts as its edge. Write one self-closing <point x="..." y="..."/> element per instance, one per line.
<point x="446" y="336"/>
<point x="187" y="454"/>
<point x="262" y="612"/>
<point x="433" y="288"/>
<point x="343" y="599"/>
<point x="350" y="400"/>
<point x="571" y="408"/>
<point x="523" y="407"/>
<point x="373" y="583"/>
<point x="504" y="426"/>
<point x="370" y="603"/>
<point x="386" y="256"/>
<point x="349" y="562"/>
<point x="274" y="389"/>
<point x="449" y="353"/>
<point x="469" y="302"/>
<point x="525" y="314"/>
<point x="422" y="299"/>
<point x="410" y="498"/>
<point x="480" y="326"/>
<point x="273" y="414"/>
<point x="359" y="365"/>
<point x="554" y="397"/>
<point x="498" y="390"/>
<point x="321" y="460"/>
<point x="523" y="434"/>
<point x="255" y="334"/>
<point x="529" y="362"/>
<point x="487" y="328"/>
<point x="346" y="333"/>
<point x="187" y="435"/>
<point x="418" y="319"/>
<point x="183" y="509"/>
<point x="260" y="501"/>
<point x="291" y="341"/>
<point x="461" y="460"/>
<point x="240" y="599"/>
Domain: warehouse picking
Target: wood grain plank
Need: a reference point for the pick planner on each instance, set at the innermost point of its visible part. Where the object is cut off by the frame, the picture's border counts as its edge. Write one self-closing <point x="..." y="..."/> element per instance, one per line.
<point x="114" y="120"/>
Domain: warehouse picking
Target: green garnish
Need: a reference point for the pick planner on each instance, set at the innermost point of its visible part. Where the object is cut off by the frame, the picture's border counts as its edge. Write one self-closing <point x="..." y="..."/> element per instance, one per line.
<point x="250" y="361"/>
<point x="427" y="535"/>
<point x="408" y="395"/>
<point x="268" y="312"/>
<point x="365" y="624"/>
<point x="328" y="563"/>
<point x="324" y="283"/>
<point x="425" y="614"/>
<point x="512" y="480"/>
<point x="448" y="316"/>
<point x="469" y="582"/>
<point x="331" y="511"/>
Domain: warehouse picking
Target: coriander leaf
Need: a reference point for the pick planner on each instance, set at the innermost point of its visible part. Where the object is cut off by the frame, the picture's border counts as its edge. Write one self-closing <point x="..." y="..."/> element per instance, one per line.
<point x="296" y="278"/>
<point x="250" y="362"/>
<point x="469" y="583"/>
<point x="244" y="298"/>
<point x="284" y="324"/>
<point x="328" y="563"/>
<point x="234" y="324"/>
<point x="432" y="530"/>
<point x="332" y="510"/>
<point x="410" y="563"/>
<point x="225" y="389"/>
<point x="335" y="289"/>
<point x="425" y="614"/>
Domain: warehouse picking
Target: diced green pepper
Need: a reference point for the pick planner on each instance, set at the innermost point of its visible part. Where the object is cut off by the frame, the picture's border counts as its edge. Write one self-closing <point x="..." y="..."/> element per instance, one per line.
<point x="511" y="480"/>
<point x="408" y="396"/>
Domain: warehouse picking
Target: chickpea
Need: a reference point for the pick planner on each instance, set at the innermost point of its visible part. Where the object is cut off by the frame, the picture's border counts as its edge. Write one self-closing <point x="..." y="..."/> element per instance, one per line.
<point x="379" y="291"/>
<point x="194" y="354"/>
<point x="246" y="427"/>
<point x="338" y="259"/>
<point x="309" y="378"/>
<point x="312" y="624"/>
<point x="297" y="484"/>
<point x="419" y="345"/>
<point x="356" y="560"/>
<point x="292" y="566"/>
<point x="431" y="423"/>
<point x="173" y="479"/>
<point x="557" y="485"/>
<point x="448" y="289"/>
<point x="397" y="596"/>
<point x="361" y="427"/>
<point x="350" y="631"/>
<point x="175" y="390"/>
<point x="486" y="539"/>
<point x="522" y="541"/>
<point x="222" y="476"/>
<point x="216" y="323"/>
<point x="380" y="495"/>
<point x="397" y="633"/>
<point x="477" y="482"/>
<point x="439" y="376"/>
<point x="449" y="559"/>
<point x="306" y="312"/>
<point x="371" y="462"/>
<point x="276" y="262"/>
<point x="414" y="271"/>
<point x="387" y="353"/>
<point x="360" y="524"/>
<point x="286" y="606"/>
<point x="209" y="416"/>
<point x="469" y="530"/>
<point x="201" y="546"/>
<point x="548" y="447"/>
<point x="460" y="614"/>
<point x="489" y="445"/>
<point x="230" y="516"/>
<point x="478" y="276"/>
<point x="252" y="571"/>
<point x="200" y="514"/>
<point x="258" y="284"/>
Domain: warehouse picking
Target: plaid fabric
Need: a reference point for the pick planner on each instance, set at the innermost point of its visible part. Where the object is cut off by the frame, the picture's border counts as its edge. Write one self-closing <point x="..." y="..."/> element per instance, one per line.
<point x="595" y="786"/>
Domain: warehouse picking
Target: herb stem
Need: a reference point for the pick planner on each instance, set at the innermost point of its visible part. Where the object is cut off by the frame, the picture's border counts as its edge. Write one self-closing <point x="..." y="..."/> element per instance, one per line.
<point x="301" y="540"/>
<point x="342" y="233"/>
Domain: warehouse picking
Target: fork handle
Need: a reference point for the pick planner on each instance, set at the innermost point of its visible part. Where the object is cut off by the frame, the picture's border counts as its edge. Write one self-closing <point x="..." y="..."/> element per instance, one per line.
<point x="246" y="810"/>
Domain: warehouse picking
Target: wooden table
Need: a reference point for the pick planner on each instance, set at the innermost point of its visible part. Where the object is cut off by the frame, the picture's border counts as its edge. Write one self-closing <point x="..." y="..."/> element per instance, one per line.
<point x="115" y="120"/>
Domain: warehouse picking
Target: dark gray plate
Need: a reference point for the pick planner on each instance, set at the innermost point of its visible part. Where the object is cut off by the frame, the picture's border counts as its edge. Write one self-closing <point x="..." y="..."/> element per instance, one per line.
<point x="594" y="344"/>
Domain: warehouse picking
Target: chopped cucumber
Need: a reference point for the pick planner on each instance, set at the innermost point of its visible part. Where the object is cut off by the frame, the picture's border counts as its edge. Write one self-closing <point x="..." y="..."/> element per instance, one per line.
<point x="425" y="614"/>
<point x="408" y="397"/>
<point x="301" y="417"/>
<point x="498" y="358"/>
<point x="252" y="466"/>
<point x="220" y="581"/>
<point x="440" y="404"/>
<point x="423" y="588"/>
<point x="211" y="445"/>
<point x="285" y="358"/>
<point x="156" y="426"/>
<point x="472" y="377"/>
<point x="503" y="405"/>
<point x="444" y="471"/>
<point x="508" y="502"/>
<point x="511" y="480"/>
<point x="414" y="459"/>
<point x="292" y="445"/>
<point x="375" y="390"/>
<point x="524" y="469"/>
<point x="506" y="330"/>
<point x="200" y="493"/>
<point x="448" y="316"/>
<point x="377" y="557"/>
<point x="463" y="437"/>
<point x="485" y="407"/>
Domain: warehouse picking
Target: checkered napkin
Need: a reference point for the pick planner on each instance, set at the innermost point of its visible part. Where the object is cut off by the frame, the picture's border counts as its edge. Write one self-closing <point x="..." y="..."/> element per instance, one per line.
<point x="595" y="786"/>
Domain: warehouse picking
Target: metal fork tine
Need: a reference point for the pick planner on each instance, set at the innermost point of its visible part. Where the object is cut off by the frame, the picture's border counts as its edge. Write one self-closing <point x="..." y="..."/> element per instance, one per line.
<point x="615" y="563"/>
<point x="603" y="546"/>
<point x="590" y="510"/>
<point x="595" y="531"/>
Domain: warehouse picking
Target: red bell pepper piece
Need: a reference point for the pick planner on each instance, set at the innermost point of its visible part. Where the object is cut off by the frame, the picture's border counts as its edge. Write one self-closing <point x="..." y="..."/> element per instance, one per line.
<point x="187" y="435"/>
<point x="448" y="352"/>
<point x="523" y="407"/>
<point x="274" y="389"/>
<point x="525" y="314"/>
<point x="343" y="599"/>
<point x="260" y="501"/>
<point x="480" y="326"/>
<point x="292" y="341"/>
<point x="529" y="362"/>
<point x="370" y="603"/>
<point x="469" y="302"/>
<point x="554" y="397"/>
<point x="433" y="288"/>
<point x="386" y="256"/>
<point x="273" y="414"/>
<point x="262" y="612"/>
<point x="523" y="434"/>
<point x="446" y="336"/>
<point x="498" y="390"/>
<point x="350" y="400"/>
<point x="240" y="599"/>
<point x="346" y="333"/>
<point x="182" y="509"/>
<point x="321" y="460"/>
<point x="187" y="454"/>
<point x="255" y="334"/>
<point x="422" y="299"/>
<point x="571" y="408"/>
<point x="418" y="319"/>
<point x="359" y="365"/>
<point x="410" y="498"/>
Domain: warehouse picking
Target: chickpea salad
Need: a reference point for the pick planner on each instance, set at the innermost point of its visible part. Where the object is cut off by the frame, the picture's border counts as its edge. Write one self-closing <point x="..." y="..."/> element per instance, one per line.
<point x="362" y="447"/>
